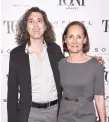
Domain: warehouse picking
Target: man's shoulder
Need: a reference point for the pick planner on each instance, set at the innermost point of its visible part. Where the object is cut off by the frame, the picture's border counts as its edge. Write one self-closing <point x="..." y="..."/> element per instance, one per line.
<point x="53" y="44"/>
<point x="18" y="49"/>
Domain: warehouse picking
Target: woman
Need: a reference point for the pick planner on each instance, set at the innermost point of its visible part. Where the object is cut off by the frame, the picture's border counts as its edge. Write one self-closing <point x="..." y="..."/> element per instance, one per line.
<point x="81" y="77"/>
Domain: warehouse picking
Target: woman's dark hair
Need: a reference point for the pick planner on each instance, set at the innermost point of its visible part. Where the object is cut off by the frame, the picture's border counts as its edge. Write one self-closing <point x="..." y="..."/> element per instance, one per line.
<point x="86" y="46"/>
<point x="22" y="35"/>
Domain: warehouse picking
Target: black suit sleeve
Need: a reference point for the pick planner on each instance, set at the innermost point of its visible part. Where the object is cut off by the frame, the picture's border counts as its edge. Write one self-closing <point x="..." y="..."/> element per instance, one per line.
<point x="12" y="96"/>
<point x="60" y="54"/>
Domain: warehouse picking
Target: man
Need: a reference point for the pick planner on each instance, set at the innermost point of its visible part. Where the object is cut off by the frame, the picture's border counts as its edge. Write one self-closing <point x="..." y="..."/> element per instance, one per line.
<point x="33" y="71"/>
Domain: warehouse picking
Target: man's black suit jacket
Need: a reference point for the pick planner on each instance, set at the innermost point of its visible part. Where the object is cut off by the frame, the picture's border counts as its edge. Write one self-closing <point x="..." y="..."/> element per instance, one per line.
<point x="19" y="79"/>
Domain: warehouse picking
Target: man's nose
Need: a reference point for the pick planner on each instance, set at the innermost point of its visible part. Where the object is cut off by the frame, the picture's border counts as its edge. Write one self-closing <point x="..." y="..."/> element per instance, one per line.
<point x="36" y="24"/>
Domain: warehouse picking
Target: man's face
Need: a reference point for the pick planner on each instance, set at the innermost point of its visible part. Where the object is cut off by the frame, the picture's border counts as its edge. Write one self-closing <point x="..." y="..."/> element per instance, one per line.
<point x="36" y="26"/>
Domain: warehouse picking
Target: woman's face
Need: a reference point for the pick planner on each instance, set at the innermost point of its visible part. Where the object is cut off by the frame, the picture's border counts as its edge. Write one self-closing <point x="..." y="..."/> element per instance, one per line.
<point x="75" y="39"/>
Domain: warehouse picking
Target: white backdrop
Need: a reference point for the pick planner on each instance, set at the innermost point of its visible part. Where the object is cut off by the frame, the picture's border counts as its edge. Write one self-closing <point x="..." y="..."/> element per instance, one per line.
<point x="93" y="13"/>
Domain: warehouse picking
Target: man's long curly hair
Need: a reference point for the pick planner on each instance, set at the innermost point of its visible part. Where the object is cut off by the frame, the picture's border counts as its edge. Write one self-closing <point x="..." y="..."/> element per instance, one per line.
<point x="22" y="36"/>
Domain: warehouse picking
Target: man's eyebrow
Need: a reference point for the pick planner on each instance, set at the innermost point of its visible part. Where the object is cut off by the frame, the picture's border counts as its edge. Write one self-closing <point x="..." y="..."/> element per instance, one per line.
<point x="40" y="18"/>
<point x="32" y="18"/>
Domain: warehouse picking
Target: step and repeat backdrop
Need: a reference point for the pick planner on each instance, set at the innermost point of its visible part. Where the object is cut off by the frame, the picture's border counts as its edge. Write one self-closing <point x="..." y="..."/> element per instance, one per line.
<point x="93" y="13"/>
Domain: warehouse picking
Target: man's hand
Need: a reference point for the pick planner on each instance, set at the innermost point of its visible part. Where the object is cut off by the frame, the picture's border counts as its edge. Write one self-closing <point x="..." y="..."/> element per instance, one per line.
<point x="100" y="60"/>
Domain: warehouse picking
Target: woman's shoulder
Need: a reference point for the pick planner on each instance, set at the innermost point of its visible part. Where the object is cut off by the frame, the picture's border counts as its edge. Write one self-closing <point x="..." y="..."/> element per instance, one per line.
<point x="62" y="61"/>
<point x="95" y="61"/>
<point x="96" y="64"/>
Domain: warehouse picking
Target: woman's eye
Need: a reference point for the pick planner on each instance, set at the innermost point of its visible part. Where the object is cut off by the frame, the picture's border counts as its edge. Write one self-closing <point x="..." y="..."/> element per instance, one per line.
<point x="70" y="37"/>
<point x="78" y="37"/>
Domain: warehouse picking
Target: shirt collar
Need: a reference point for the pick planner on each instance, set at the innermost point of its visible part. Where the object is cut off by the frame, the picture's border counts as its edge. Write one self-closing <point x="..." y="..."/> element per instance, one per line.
<point x="27" y="46"/>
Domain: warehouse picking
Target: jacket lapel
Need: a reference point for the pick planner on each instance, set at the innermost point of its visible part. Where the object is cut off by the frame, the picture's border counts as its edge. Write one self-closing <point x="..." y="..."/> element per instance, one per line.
<point x="53" y="61"/>
<point x="25" y="66"/>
